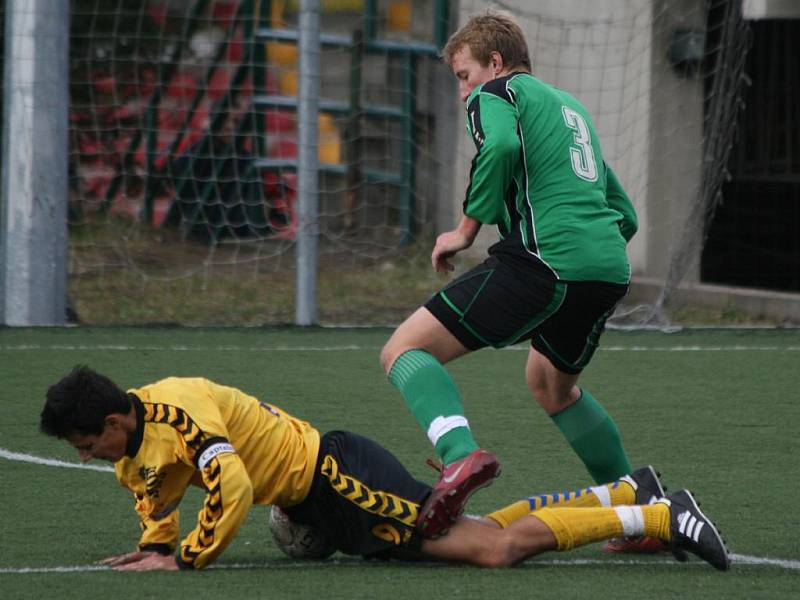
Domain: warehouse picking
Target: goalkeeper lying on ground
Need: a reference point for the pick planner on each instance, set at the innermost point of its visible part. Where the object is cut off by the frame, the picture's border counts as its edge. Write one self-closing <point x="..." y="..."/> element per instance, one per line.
<point x="176" y="432"/>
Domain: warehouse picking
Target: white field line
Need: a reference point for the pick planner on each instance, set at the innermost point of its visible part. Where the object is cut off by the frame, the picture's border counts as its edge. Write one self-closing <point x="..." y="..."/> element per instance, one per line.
<point x="737" y="559"/>
<point x="357" y="348"/>
<point x="50" y="462"/>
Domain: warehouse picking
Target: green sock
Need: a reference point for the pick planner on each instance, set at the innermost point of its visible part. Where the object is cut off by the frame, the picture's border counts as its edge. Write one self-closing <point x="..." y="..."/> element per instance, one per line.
<point x="594" y="437"/>
<point x="435" y="402"/>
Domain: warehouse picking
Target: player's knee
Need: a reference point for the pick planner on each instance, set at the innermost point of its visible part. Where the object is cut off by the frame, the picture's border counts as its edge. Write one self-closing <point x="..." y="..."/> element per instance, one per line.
<point x="541" y="392"/>
<point x="499" y="551"/>
<point x="536" y="386"/>
<point x="551" y="398"/>
<point x="387" y="357"/>
<point x="499" y="560"/>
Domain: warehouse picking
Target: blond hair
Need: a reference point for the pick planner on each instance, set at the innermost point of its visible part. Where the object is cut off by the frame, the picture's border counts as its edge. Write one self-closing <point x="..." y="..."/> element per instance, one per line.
<point x="487" y="32"/>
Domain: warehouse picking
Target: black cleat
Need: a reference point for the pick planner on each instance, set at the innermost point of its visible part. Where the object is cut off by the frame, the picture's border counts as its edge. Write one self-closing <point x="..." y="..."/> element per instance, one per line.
<point x="693" y="532"/>
<point x="647" y="485"/>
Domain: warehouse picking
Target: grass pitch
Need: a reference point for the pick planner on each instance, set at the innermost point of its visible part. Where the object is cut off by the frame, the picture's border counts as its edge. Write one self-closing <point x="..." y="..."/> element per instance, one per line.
<point x="715" y="411"/>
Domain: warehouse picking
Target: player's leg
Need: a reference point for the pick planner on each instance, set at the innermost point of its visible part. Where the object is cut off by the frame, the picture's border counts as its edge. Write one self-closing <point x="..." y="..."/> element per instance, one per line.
<point x="362" y="498"/>
<point x="560" y="528"/>
<point x="641" y="487"/>
<point x="477" y="543"/>
<point x="676" y="520"/>
<point x="589" y="429"/>
<point x="413" y="359"/>
<point x="459" y="319"/>
<point x="560" y="349"/>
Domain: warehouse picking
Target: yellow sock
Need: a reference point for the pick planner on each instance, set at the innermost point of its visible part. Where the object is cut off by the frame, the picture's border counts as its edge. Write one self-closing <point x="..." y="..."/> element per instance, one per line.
<point x="573" y="527"/>
<point x="656" y="521"/>
<point x="615" y="493"/>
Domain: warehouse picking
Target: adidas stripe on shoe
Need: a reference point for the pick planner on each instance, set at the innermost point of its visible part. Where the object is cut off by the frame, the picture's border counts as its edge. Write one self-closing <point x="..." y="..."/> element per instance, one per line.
<point x="694" y="532"/>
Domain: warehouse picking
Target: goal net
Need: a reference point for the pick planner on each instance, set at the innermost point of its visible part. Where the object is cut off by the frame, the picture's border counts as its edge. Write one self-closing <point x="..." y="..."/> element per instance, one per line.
<point x="184" y="147"/>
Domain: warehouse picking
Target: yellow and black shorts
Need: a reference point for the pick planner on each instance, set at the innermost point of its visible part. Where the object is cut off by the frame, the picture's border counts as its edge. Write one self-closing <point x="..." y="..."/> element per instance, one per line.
<point x="362" y="497"/>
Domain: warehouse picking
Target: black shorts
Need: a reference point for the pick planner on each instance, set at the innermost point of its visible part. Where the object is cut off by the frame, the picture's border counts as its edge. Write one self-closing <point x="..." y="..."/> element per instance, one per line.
<point x="504" y="301"/>
<point x="362" y="497"/>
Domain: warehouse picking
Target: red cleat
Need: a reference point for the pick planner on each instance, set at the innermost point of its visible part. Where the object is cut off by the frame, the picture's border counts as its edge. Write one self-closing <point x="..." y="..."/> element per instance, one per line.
<point x="457" y="482"/>
<point x="636" y="545"/>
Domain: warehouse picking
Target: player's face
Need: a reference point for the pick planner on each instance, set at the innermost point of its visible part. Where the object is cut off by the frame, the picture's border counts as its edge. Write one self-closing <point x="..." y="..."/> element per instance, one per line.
<point x="110" y="445"/>
<point x="470" y="73"/>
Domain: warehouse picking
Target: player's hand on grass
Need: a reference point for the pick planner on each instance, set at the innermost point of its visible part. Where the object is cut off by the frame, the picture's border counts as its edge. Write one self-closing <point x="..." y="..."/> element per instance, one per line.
<point x="122" y="559"/>
<point x="153" y="562"/>
<point x="141" y="561"/>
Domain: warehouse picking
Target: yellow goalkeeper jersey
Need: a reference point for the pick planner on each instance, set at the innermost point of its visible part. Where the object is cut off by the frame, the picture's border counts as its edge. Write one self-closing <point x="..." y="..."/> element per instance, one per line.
<point x="239" y="450"/>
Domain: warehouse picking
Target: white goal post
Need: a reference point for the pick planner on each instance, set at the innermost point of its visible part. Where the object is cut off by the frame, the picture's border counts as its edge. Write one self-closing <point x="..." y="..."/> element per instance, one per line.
<point x="33" y="206"/>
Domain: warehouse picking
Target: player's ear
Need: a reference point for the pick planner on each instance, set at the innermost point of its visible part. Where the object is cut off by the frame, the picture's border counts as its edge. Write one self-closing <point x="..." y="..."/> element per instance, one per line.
<point x="113" y="421"/>
<point x="496" y="62"/>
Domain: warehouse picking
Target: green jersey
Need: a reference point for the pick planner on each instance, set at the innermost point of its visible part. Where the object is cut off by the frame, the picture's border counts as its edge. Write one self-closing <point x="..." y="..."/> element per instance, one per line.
<point x="539" y="176"/>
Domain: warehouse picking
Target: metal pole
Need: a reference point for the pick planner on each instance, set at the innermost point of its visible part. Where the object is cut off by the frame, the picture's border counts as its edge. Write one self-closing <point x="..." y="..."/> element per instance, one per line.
<point x="407" y="166"/>
<point x="33" y="207"/>
<point x="307" y="167"/>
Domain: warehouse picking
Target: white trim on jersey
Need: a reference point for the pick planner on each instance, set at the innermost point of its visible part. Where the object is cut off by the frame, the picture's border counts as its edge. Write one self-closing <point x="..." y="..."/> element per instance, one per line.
<point x="213" y="451"/>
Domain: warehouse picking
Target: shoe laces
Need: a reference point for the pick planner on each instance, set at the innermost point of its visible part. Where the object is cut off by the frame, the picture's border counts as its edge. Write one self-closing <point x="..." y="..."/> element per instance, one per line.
<point x="435" y="465"/>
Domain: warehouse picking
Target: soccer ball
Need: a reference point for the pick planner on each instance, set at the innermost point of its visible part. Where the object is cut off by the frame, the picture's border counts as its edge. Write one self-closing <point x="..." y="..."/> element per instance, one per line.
<point x="298" y="540"/>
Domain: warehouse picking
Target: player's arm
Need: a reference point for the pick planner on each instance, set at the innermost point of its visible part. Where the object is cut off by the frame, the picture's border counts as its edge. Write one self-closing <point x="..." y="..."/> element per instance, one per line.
<point x="619" y="201"/>
<point x="452" y="242"/>
<point x="159" y="537"/>
<point x="492" y="123"/>
<point x="159" y="532"/>
<point x="229" y="495"/>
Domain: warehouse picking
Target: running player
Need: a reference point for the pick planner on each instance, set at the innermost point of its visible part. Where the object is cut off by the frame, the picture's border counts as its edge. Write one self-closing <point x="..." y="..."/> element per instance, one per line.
<point x="554" y="277"/>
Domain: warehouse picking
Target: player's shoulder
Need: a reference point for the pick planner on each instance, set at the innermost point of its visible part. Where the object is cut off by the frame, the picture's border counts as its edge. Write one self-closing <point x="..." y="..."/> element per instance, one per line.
<point x="174" y="390"/>
<point x="502" y="87"/>
<point x="567" y="99"/>
<point x="511" y="88"/>
<point x="178" y="382"/>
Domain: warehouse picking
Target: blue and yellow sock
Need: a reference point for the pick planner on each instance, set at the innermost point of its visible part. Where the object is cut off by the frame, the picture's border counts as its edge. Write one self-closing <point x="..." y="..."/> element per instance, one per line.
<point x="617" y="493"/>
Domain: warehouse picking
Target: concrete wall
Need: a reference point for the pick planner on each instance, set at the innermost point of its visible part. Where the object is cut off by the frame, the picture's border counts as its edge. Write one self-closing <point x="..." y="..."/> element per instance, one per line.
<point x="675" y="151"/>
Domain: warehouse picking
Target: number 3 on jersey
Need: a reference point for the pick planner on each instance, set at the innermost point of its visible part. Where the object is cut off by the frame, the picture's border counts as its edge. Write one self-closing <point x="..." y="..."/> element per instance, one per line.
<point x="582" y="153"/>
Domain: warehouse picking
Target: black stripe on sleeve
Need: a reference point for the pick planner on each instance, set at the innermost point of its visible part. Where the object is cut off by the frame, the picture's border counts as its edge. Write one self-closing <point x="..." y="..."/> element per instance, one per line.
<point x="474" y="117"/>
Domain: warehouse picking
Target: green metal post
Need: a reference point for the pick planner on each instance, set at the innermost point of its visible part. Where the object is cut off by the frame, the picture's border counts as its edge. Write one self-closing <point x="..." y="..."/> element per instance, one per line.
<point x="370" y="20"/>
<point x="408" y="158"/>
<point x="441" y="20"/>
<point x="261" y="14"/>
<point x="352" y="142"/>
<point x="151" y="126"/>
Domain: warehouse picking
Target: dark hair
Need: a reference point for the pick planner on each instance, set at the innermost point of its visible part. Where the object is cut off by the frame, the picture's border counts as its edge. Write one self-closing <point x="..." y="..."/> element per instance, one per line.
<point x="487" y="32"/>
<point x="80" y="402"/>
